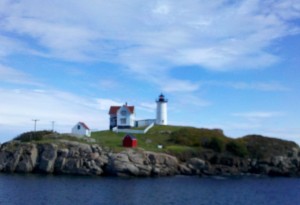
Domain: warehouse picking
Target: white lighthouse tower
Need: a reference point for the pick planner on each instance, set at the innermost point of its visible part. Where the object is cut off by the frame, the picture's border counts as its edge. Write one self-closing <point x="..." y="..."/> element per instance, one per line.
<point x="161" y="110"/>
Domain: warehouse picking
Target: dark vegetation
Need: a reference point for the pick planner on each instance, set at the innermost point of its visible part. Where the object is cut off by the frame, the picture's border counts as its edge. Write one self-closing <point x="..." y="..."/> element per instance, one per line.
<point x="237" y="148"/>
<point x="209" y="139"/>
<point x="44" y="136"/>
<point x="34" y="136"/>
<point x="262" y="147"/>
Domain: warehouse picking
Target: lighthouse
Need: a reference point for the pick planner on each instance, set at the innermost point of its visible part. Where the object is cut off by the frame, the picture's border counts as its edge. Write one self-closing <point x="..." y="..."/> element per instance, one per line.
<point x="161" y="110"/>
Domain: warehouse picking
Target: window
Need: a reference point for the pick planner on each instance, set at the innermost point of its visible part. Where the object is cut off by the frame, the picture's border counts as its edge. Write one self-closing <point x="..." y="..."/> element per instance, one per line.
<point x="78" y="127"/>
<point x="123" y="121"/>
<point x="123" y="112"/>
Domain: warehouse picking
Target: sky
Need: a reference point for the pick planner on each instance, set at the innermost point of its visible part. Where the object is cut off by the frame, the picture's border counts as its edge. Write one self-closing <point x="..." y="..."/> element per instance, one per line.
<point x="228" y="64"/>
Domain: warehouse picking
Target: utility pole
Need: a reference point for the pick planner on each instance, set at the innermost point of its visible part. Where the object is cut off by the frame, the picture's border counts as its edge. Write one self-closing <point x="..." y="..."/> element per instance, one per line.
<point x="35" y="120"/>
<point x="53" y="122"/>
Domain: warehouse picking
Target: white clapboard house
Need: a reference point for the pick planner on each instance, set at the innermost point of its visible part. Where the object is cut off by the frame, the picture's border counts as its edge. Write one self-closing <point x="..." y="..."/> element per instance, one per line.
<point x="81" y="130"/>
<point x="121" y="116"/>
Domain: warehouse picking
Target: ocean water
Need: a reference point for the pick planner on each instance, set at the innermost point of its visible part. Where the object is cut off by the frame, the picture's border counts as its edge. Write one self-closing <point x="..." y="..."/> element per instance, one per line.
<point x="44" y="189"/>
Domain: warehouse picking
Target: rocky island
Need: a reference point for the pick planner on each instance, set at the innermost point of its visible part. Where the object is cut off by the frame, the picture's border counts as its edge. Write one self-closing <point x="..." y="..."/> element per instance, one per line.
<point x="209" y="153"/>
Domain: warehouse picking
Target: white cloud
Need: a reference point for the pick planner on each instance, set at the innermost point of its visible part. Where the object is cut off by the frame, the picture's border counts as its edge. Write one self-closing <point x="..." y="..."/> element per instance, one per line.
<point x="173" y="85"/>
<point x="19" y="107"/>
<point x="11" y="75"/>
<point x="104" y="104"/>
<point x="191" y="101"/>
<point x="162" y="8"/>
<point x="62" y="40"/>
<point x="219" y="35"/>
<point x="258" y="114"/>
<point x="149" y="38"/>
<point x="149" y="107"/>
<point x="8" y="45"/>
<point x="260" y="86"/>
<point x="106" y="84"/>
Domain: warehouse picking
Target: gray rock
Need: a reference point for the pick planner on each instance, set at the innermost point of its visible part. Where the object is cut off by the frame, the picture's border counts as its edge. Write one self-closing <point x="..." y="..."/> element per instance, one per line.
<point x="78" y="158"/>
<point x="71" y="165"/>
<point x="120" y="165"/>
<point x="141" y="163"/>
<point x="196" y="163"/>
<point x="28" y="158"/>
<point x="48" y="154"/>
<point x="59" y="164"/>
<point x="277" y="160"/>
<point x="62" y="152"/>
<point x="193" y="166"/>
<point x="88" y="139"/>
<point x="162" y="164"/>
<point x="185" y="170"/>
<point x="10" y="158"/>
<point x="66" y="157"/>
<point x="96" y="148"/>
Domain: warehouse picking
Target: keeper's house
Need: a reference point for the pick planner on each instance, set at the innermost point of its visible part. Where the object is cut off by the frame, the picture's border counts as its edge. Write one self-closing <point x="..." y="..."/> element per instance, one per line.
<point x="121" y="116"/>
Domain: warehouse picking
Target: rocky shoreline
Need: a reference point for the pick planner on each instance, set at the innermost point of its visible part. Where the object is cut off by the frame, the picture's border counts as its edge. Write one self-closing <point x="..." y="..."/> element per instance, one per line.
<point x="69" y="157"/>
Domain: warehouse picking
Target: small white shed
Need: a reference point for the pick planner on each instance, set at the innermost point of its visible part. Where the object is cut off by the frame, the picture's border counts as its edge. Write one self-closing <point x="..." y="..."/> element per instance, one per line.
<point x="81" y="129"/>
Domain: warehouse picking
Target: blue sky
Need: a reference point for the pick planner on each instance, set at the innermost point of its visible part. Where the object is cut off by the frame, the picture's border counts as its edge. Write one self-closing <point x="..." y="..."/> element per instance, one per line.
<point x="223" y="64"/>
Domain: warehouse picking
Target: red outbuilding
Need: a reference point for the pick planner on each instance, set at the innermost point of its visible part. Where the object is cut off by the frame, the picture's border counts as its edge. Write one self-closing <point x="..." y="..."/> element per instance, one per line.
<point x="129" y="141"/>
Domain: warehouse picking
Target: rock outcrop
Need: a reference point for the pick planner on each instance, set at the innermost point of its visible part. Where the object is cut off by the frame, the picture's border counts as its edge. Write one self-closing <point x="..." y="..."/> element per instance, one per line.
<point x="141" y="163"/>
<point x="63" y="157"/>
<point x="69" y="157"/>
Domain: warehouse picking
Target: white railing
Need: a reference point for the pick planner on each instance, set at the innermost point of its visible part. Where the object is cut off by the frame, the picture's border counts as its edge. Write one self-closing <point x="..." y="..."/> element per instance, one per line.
<point x="148" y="128"/>
<point x="115" y="129"/>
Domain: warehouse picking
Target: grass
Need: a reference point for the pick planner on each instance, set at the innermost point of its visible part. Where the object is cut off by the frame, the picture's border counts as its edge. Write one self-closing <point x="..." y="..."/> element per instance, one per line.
<point x="46" y="136"/>
<point x="185" y="142"/>
<point x="178" y="148"/>
<point x="139" y="128"/>
<point x="158" y="135"/>
<point x="174" y="139"/>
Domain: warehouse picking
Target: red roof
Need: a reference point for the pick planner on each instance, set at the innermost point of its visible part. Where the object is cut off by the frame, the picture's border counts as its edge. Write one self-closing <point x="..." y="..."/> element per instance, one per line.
<point x="84" y="125"/>
<point x="130" y="136"/>
<point x="114" y="109"/>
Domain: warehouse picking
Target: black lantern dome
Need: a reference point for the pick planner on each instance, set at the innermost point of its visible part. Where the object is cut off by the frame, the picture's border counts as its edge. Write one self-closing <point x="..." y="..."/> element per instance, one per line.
<point x="161" y="98"/>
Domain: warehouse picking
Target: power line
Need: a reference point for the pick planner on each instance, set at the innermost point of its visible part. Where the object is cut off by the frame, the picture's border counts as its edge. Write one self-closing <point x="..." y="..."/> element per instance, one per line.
<point x="35" y="121"/>
<point x="52" y="122"/>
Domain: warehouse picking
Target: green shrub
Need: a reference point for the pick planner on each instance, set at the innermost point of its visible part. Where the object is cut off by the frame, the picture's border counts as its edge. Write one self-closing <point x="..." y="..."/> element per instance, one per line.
<point x="30" y="136"/>
<point x="237" y="148"/>
<point x="216" y="143"/>
<point x="185" y="137"/>
<point x="183" y="153"/>
<point x="195" y="137"/>
<point x="260" y="147"/>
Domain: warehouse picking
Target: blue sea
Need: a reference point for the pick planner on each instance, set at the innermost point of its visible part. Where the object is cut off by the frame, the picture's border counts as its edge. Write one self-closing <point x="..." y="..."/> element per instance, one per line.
<point x="55" y="190"/>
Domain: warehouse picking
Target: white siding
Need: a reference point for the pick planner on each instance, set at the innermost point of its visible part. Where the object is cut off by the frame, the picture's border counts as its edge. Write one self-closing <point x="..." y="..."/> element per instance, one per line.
<point x="144" y="123"/>
<point x="161" y="113"/>
<point x="125" y="117"/>
<point x="80" y="130"/>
